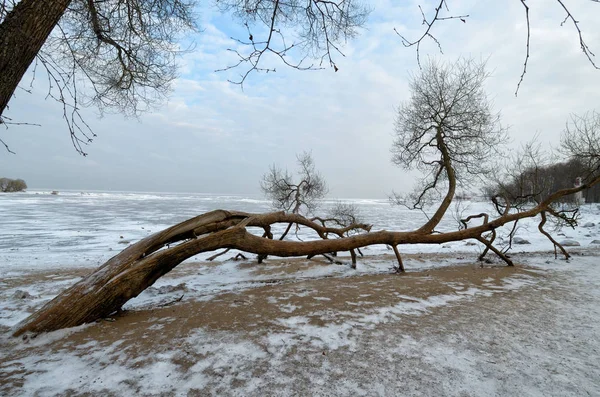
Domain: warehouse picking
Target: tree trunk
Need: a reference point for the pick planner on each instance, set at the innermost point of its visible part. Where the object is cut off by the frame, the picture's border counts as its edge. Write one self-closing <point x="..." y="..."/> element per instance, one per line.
<point x="439" y="213"/>
<point x="22" y="34"/>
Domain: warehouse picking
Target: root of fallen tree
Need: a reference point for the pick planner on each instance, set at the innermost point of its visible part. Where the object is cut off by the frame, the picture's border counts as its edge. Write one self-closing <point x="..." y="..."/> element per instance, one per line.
<point x="137" y="267"/>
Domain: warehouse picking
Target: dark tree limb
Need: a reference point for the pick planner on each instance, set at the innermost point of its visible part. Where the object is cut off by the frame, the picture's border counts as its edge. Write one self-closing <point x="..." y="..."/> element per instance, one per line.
<point x="287" y="230"/>
<point x="215" y="256"/>
<point x="526" y="7"/>
<point x="584" y="47"/>
<point x="466" y="220"/>
<point x="493" y="232"/>
<point x="400" y="268"/>
<point x="487" y="247"/>
<point x="331" y="259"/>
<point x="353" y="255"/>
<point x="495" y="250"/>
<point x="554" y="242"/>
<point x="429" y="24"/>
<point x="511" y="235"/>
<point x="269" y="235"/>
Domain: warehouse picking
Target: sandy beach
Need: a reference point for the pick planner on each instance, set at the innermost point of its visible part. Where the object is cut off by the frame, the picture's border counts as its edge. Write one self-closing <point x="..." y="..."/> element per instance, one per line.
<point x="457" y="330"/>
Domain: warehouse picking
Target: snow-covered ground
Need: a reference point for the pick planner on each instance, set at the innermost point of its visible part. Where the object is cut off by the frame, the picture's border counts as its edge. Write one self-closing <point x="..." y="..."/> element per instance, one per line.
<point x="292" y="327"/>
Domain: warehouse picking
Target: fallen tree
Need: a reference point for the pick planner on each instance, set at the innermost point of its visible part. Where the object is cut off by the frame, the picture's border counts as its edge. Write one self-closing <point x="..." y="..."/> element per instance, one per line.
<point x="446" y="130"/>
<point x="137" y="267"/>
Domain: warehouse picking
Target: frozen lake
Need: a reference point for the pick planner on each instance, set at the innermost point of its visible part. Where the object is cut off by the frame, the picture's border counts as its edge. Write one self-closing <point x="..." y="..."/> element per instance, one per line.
<point x="39" y="230"/>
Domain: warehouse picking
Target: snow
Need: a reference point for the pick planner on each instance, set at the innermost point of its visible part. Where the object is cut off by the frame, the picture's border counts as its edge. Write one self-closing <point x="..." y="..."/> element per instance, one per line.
<point x="516" y="356"/>
<point x="367" y="355"/>
<point x="533" y="332"/>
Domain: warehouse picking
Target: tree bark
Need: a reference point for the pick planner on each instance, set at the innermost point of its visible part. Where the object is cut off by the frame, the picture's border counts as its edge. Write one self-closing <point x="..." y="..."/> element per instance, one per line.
<point x="22" y="34"/>
<point x="430" y="225"/>
<point x="399" y="258"/>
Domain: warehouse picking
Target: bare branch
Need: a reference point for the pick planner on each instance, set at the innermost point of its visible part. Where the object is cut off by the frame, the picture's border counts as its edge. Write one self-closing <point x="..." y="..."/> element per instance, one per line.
<point x="442" y="5"/>
<point x="400" y="268"/>
<point x="554" y="242"/>
<point x="526" y="7"/>
<point x="584" y="47"/>
<point x="430" y="23"/>
<point x="319" y="28"/>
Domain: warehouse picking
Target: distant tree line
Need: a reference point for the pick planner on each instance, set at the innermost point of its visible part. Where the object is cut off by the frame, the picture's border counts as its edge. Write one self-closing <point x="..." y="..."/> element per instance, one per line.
<point x="8" y="185"/>
<point x="535" y="183"/>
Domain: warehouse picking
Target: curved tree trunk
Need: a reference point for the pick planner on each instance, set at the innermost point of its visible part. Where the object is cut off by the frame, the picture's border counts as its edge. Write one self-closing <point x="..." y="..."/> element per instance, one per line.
<point x="22" y="34"/>
<point x="137" y="267"/>
<point x="430" y="225"/>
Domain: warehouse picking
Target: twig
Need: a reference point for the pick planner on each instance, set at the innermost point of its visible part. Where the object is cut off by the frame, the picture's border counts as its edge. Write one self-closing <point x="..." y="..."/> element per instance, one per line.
<point x="527" y="47"/>
<point x="436" y="17"/>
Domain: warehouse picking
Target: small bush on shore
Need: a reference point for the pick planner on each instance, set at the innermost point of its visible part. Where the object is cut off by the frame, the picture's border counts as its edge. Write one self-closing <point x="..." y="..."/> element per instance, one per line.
<point x="8" y="185"/>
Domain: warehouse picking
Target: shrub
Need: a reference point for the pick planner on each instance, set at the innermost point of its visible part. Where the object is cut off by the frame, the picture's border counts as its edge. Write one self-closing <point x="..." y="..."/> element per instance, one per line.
<point x="8" y="185"/>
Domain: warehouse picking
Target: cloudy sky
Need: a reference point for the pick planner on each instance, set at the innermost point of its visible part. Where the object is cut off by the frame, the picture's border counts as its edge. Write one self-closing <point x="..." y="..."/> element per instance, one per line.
<point x="213" y="137"/>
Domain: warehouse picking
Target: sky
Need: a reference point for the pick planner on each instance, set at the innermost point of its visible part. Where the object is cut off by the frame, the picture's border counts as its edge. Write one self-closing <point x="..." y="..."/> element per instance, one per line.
<point x="213" y="137"/>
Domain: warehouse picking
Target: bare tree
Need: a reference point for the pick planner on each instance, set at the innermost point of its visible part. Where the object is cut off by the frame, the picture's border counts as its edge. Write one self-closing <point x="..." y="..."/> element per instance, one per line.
<point x="295" y="197"/>
<point x="448" y="131"/>
<point x="343" y="214"/>
<point x="525" y="183"/>
<point x="301" y="197"/>
<point x="120" y="55"/>
<point x="531" y="179"/>
<point x="581" y="141"/>
<point x="115" y="55"/>
<point x="521" y="180"/>
<point x="348" y="217"/>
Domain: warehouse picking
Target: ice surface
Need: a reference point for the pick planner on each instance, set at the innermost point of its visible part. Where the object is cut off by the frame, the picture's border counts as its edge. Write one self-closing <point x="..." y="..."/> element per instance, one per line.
<point x="41" y="231"/>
